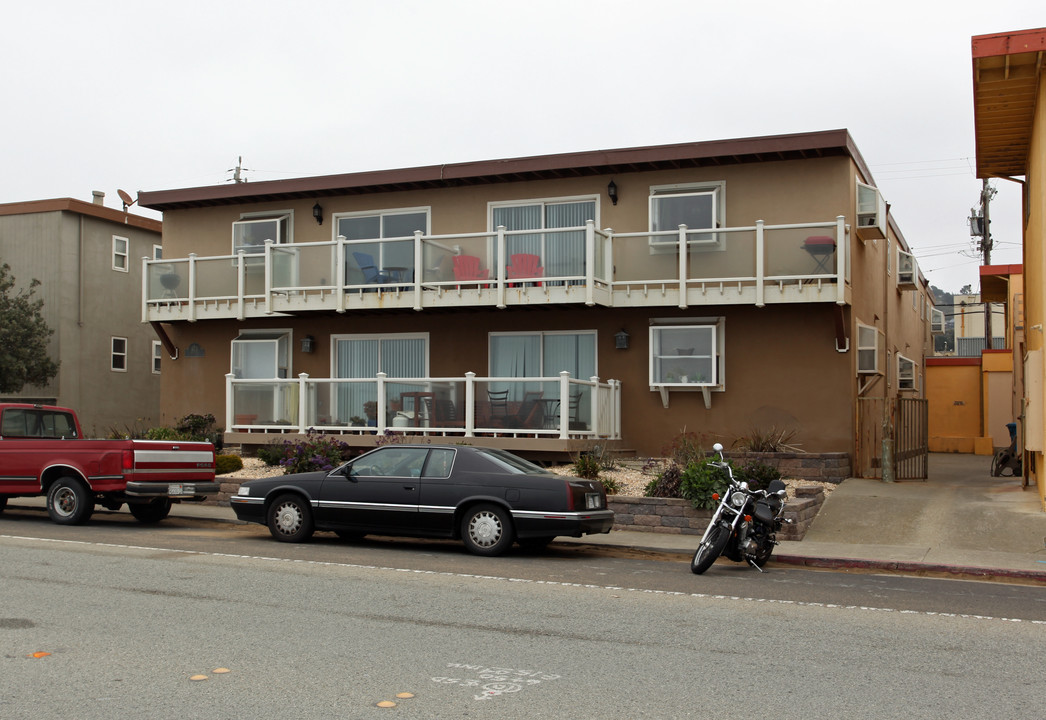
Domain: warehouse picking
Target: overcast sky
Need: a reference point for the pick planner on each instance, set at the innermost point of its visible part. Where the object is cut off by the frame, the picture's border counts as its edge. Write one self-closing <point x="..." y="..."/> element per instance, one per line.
<point x="153" y="96"/>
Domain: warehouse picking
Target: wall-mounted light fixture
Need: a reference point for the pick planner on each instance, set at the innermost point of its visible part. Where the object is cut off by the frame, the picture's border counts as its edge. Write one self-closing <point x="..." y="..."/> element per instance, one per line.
<point x="612" y="192"/>
<point x="621" y="340"/>
<point x="308" y="344"/>
<point x="317" y="212"/>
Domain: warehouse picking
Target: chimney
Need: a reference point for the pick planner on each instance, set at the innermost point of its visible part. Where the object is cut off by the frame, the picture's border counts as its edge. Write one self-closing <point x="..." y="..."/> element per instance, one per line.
<point x="99" y="197"/>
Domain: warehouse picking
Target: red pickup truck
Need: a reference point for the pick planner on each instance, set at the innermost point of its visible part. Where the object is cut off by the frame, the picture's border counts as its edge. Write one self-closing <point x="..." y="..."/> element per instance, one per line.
<point x="42" y="452"/>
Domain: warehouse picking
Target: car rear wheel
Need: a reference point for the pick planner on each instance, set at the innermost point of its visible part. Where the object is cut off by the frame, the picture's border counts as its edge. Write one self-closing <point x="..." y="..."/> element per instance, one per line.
<point x="290" y="519"/>
<point x="69" y="502"/>
<point x="486" y="530"/>
<point x="151" y="512"/>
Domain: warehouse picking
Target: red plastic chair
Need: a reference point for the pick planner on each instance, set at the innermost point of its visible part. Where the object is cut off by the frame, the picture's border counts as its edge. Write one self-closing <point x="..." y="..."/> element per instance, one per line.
<point x="466" y="268"/>
<point x="524" y="267"/>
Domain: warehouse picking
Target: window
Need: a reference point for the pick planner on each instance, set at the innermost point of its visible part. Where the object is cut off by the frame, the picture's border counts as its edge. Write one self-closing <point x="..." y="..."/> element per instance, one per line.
<point x="699" y="207"/>
<point x="867" y="350"/>
<point x="397" y="256"/>
<point x="363" y="357"/>
<point x="157" y="355"/>
<point x="249" y="235"/>
<point x="118" y="361"/>
<point x="120" y="252"/>
<point x="871" y="213"/>
<point x="905" y="373"/>
<point x="937" y="324"/>
<point x="157" y="252"/>
<point x="543" y="355"/>
<point x="261" y="355"/>
<point x="37" y="423"/>
<point x="686" y="355"/>
<point x="562" y="253"/>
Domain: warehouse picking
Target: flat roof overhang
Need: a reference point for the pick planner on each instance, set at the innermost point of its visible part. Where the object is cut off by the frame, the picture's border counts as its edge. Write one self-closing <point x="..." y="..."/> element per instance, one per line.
<point x="1006" y="72"/>
<point x="995" y="281"/>
<point x="828" y="143"/>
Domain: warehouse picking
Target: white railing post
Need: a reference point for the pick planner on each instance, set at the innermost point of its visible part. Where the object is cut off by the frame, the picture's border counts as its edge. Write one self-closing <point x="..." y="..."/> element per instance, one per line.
<point x="302" y="385"/>
<point x="381" y="402"/>
<point x="840" y="270"/>
<point x="608" y="258"/>
<point x="594" y="405"/>
<point x="268" y="276"/>
<point x="682" y="266"/>
<point x="145" y="289"/>
<point x="501" y="267"/>
<point x="192" y="287"/>
<point x="615" y="404"/>
<point x="564" y="405"/>
<point x="418" y="269"/>
<point x="241" y="284"/>
<point x="760" y="264"/>
<point x="230" y="411"/>
<point x="470" y="404"/>
<point x="590" y="261"/>
<point x="339" y="273"/>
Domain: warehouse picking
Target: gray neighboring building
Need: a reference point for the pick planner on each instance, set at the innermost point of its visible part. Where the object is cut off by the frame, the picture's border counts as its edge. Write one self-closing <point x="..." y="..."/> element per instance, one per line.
<point x="88" y="259"/>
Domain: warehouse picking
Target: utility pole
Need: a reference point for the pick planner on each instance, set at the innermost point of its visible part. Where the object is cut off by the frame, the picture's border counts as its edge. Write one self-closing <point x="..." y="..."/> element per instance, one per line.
<point x="987" y="192"/>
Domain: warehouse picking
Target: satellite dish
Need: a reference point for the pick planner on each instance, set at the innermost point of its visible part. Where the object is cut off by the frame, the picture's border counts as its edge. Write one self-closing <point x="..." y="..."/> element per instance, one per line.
<point x="126" y="197"/>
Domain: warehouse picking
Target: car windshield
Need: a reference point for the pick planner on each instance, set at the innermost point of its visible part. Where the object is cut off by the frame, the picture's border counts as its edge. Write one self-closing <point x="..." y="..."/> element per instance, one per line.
<point x="511" y="463"/>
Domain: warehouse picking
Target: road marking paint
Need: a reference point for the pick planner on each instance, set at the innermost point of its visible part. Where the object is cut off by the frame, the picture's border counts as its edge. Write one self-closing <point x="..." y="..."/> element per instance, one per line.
<point x="551" y="583"/>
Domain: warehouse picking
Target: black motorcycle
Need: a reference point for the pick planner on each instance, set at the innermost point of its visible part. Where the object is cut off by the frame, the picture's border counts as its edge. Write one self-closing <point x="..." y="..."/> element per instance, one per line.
<point x="744" y="525"/>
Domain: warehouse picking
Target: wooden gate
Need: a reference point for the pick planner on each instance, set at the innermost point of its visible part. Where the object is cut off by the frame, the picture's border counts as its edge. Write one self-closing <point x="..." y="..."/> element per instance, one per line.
<point x="907" y="422"/>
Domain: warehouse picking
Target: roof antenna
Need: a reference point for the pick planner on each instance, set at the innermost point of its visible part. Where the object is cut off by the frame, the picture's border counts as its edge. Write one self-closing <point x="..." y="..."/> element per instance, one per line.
<point x="236" y="171"/>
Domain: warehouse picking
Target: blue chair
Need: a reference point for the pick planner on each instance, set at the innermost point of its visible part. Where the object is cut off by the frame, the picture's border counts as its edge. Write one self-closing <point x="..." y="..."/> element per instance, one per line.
<point x="371" y="274"/>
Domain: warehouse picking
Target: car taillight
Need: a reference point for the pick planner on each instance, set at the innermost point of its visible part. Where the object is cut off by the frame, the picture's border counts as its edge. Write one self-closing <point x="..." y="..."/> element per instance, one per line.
<point x="128" y="460"/>
<point x="570" y="495"/>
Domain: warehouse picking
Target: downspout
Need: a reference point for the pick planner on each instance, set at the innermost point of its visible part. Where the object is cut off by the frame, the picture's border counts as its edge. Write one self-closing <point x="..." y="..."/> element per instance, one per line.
<point x="887" y="430"/>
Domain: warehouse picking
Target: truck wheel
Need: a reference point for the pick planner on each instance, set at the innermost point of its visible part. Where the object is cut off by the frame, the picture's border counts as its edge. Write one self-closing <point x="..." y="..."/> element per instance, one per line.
<point x="69" y="502"/>
<point x="3" y="502"/>
<point x="151" y="512"/>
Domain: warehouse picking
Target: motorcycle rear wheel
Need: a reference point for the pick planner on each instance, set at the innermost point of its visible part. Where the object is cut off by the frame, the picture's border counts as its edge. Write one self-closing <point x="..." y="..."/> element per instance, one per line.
<point x="710" y="549"/>
<point x="762" y="556"/>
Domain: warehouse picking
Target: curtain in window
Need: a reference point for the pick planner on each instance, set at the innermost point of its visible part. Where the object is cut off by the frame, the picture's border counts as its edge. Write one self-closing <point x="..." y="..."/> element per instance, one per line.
<point x="566" y="251"/>
<point x="365" y="358"/>
<point x="514" y="356"/>
<point x="519" y="217"/>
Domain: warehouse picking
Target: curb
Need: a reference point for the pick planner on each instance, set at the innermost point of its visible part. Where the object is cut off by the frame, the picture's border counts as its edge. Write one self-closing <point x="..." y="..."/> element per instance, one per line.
<point x="956" y="571"/>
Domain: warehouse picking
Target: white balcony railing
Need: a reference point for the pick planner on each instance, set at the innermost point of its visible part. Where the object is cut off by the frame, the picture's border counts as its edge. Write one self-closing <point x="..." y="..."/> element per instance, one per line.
<point x="552" y="407"/>
<point x="758" y="264"/>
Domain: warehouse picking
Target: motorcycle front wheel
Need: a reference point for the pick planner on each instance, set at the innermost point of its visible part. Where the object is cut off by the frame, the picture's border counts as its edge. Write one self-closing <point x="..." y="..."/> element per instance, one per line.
<point x="710" y="549"/>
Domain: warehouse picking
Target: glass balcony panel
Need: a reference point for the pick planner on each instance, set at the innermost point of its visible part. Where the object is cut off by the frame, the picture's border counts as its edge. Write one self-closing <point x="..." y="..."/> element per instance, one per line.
<point x="167" y="280"/>
<point x="799" y="252"/>
<point x="265" y="403"/>
<point x="216" y="277"/>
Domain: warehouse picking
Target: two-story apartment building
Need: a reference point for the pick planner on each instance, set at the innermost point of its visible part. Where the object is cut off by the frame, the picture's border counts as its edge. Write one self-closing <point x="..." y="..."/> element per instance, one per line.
<point x="545" y="303"/>
<point x="87" y="258"/>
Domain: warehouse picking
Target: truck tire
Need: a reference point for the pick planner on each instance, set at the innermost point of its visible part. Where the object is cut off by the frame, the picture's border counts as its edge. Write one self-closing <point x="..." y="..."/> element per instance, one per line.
<point x="3" y="502"/>
<point x="69" y="502"/>
<point x="151" y="512"/>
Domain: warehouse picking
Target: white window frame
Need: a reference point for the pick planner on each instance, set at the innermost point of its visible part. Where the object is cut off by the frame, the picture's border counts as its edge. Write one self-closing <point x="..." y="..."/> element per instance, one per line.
<point x="866" y="350"/>
<point x="284" y="220"/>
<point x="906" y="380"/>
<point x="380" y="260"/>
<point x="157" y="252"/>
<point x="870" y="212"/>
<point x="157" y="357"/>
<point x="380" y="336"/>
<point x="115" y="354"/>
<point x="284" y="355"/>
<point x="121" y="258"/>
<point x="492" y="250"/>
<point x="938" y="323"/>
<point x="703" y="242"/>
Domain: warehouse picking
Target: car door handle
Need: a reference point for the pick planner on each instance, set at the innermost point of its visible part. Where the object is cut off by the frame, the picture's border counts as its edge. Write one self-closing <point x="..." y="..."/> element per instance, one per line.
<point x="408" y="487"/>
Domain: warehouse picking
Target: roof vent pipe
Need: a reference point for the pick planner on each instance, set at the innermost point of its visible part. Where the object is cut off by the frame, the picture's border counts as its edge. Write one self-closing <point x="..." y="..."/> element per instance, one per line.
<point x="98" y="196"/>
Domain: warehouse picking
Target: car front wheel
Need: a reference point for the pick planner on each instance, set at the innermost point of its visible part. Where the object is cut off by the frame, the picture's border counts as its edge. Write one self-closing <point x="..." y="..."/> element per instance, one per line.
<point x="486" y="530"/>
<point x="290" y="519"/>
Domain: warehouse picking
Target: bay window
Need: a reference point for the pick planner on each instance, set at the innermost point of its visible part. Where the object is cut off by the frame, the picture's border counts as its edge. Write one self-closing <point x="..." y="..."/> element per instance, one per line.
<point x="699" y="207"/>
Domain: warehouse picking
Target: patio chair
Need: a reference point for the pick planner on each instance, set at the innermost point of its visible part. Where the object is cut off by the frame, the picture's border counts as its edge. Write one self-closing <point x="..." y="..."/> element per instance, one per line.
<point x="466" y="268"/>
<point x="525" y="266"/>
<point x="371" y="274"/>
<point x="498" y="400"/>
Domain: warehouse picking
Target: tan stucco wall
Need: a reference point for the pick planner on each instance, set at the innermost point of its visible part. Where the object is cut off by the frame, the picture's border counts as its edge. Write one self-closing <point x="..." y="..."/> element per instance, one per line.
<point x="1035" y="271"/>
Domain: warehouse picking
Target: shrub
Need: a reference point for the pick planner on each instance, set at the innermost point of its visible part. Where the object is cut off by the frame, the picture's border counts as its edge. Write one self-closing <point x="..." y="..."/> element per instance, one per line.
<point x="666" y="484"/>
<point x="587" y="465"/>
<point x="224" y="464"/>
<point x="685" y="449"/>
<point x="272" y="453"/>
<point x="316" y="452"/>
<point x="610" y="485"/>
<point x="770" y="439"/>
<point x="163" y="433"/>
<point x="758" y="475"/>
<point x="698" y="483"/>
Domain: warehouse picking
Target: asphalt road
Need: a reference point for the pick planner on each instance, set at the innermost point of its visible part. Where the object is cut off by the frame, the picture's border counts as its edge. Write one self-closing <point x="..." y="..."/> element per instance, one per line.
<point x="129" y="614"/>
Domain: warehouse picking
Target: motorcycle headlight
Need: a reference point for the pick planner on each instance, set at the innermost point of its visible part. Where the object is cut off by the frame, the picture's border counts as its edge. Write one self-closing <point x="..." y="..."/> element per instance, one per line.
<point x="737" y="499"/>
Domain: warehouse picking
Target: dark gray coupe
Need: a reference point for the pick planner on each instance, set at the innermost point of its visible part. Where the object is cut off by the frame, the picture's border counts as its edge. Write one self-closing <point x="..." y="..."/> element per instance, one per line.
<point x="488" y="498"/>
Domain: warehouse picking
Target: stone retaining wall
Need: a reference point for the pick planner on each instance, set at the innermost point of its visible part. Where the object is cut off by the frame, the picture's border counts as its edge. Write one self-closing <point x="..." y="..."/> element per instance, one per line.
<point x="674" y="516"/>
<point x="823" y="467"/>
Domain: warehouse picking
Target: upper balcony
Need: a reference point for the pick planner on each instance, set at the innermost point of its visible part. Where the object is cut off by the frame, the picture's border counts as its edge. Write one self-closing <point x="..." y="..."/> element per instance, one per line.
<point x="754" y="265"/>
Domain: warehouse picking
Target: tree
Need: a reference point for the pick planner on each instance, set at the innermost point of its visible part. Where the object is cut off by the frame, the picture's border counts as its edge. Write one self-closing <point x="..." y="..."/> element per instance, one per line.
<point x="23" y="337"/>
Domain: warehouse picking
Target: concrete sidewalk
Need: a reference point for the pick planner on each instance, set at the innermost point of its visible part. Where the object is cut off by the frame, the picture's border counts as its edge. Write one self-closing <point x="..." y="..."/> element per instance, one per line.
<point x="961" y="522"/>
